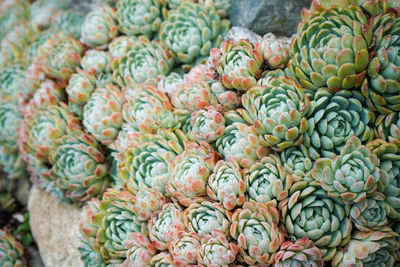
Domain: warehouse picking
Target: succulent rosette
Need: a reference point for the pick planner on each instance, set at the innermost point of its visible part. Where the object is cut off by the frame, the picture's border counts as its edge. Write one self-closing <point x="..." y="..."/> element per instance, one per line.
<point x="184" y="248"/>
<point x="222" y="6"/>
<point x="336" y="118"/>
<point x="140" y="17"/>
<point x="239" y="64"/>
<point x="255" y="228"/>
<point x="387" y="127"/>
<point x="241" y="142"/>
<point x="99" y="26"/>
<point x="216" y="250"/>
<point x="310" y="212"/>
<point x="69" y="21"/>
<point x="226" y="184"/>
<point x="204" y="217"/>
<point x="267" y="180"/>
<point x="146" y="164"/>
<point x="11" y="251"/>
<point x="78" y="165"/>
<point x="10" y="121"/>
<point x="148" y="200"/>
<point x="189" y="172"/>
<point x="352" y="176"/>
<point x="104" y="79"/>
<point x="275" y="51"/>
<point x="127" y="136"/>
<point x="143" y="61"/>
<point x="299" y="253"/>
<point x="147" y="109"/>
<point x="12" y="13"/>
<point x="42" y="11"/>
<point x="31" y="50"/>
<point x="338" y="56"/>
<point x="48" y="93"/>
<point x="165" y="224"/>
<point x="11" y="82"/>
<point x="79" y="89"/>
<point x="102" y="114"/>
<point x="162" y="259"/>
<point x="140" y="251"/>
<point x="207" y="125"/>
<point x="278" y="112"/>
<point x="170" y="83"/>
<point x="60" y="55"/>
<point x="372" y="248"/>
<point x="96" y="61"/>
<point x="12" y="164"/>
<point x="370" y="214"/>
<point x="89" y="256"/>
<point x="298" y="161"/>
<point x="192" y="30"/>
<point x="120" y="45"/>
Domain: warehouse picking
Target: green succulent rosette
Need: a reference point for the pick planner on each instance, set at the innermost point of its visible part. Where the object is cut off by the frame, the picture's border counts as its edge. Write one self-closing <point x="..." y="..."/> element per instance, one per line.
<point x="162" y="259"/>
<point x="60" y="55"/>
<point x="42" y="11"/>
<point x="120" y="45"/>
<point x="12" y="164"/>
<point x="226" y="184"/>
<point x="310" y="212"/>
<point x="147" y="163"/>
<point x="96" y="61"/>
<point x="10" y="121"/>
<point x="89" y="256"/>
<point x="351" y="176"/>
<point x="90" y="221"/>
<point x="267" y="180"/>
<point x="300" y="253"/>
<point x="165" y="224"/>
<point x="222" y="6"/>
<point x="104" y="79"/>
<point x="298" y="161"/>
<point x="144" y="61"/>
<point x="204" y="217"/>
<point x="169" y="84"/>
<point x="12" y="13"/>
<point x="184" y="248"/>
<point x="275" y="52"/>
<point x="370" y="214"/>
<point x="192" y="30"/>
<point x="11" y="82"/>
<point x="79" y="166"/>
<point x="102" y="114"/>
<point x="238" y="63"/>
<point x="387" y="127"/>
<point x="331" y="49"/>
<point x="99" y="26"/>
<point x="140" y="251"/>
<point x="147" y="109"/>
<point x="80" y="87"/>
<point x="255" y="228"/>
<point x="31" y="50"/>
<point x="127" y="136"/>
<point x="189" y="172"/>
<point x="207" y="125"/>
<point x="69" y="21"/>
<point x="215" y="249"/>
<point x="148" y="200"/>
<point x="336" y="118"/>
<point x="47" y="94"/>
<point x="11" y="251"/>
<point x="278" y="112"/>
<point x="140" y="17"/>
<point x="371" y="248"/>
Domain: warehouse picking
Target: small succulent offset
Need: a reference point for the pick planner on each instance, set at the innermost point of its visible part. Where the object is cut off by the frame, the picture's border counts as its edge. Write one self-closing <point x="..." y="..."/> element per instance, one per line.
<point x="370" y="214"/>
<point x="146" y="201"/>
<point x="140" y="251"/>
<point x="184" y="248"/>
<point x="207" y="125"/>
<point x="11" y="251"/>
<point x="69" y="21"/>
<point x="275" y="51"/>
<point x="96" y="61"/>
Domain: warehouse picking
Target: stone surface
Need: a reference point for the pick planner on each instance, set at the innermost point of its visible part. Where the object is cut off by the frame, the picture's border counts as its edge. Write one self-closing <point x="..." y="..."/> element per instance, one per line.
<point x="55" y="227"/>
<point x="261" y="16"/>
<point x="237" y="33"/>
<point x="22" y="191"/>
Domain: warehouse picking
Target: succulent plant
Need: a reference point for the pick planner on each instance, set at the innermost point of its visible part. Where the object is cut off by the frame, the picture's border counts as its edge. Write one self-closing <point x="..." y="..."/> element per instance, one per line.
<point x="79" y="166"/>
<point x="31" y="50"/>
<point x="207" y="125"/>
<point x="79" y="89"/>
<point x="335" y="118"/>
<point x="143" y="61"/>
<point x="189" y="172"/>
<point x="102" y="114"/>
<point x="170" y="83"/>
<point x="120" y="45"/>
<point x="48" y="93"/>
<point x="140" y="17"/>
<point x="239" y="64"/>
<point x="255" y="228"/>
<point x="89" y="256"/>
<point x="146" y="201"/>
<point x="310" y="212"/>
<point x="278" y="112"/>
<point x="60" y="55"/>
<point x="267" y="180"/>
<point x="12" y="13"/>
<point x="99" y="26"/>
<point x="338" y="57"/>
<point x="69" y="21"/>
<point x="216" y="250"/>
<point x="372" y="248"/>
<point x="275" y="51"/>
<point x="184" y="248"/>
<point x="104" y="79"/>
<point x="204" y="217"/>
<point x="96" y="61"/>
<point x="42" y="11"/>
<point x="299" y="253"/>
<point x="11" y="251"/>
<point x="382" y="84"/>
<point x="370" y="214"/>
<point x="140" y="251"/>
<point x="162" y="259"/>
<point x="387" y="127"/>
<point x="10" y="121"/>
<point x="226" y="184"/>
<point x="165" y="224"/>
<point x="241" y="142"/>
<point x="11" y="81"/>
<point x="352" y="176"/>
<point x="12" y="164"/>
<point x="192" y="30"/>
<point x="127" y="136"/>
<point x="222" y="6"/>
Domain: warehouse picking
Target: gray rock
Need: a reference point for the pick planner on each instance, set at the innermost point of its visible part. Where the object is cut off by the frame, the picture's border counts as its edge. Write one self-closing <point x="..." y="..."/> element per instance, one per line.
<point x="261" y="16"/>
<point x="22" y="191"/>
<point x="55" y="227"/>
<point x="237" y="33"/>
